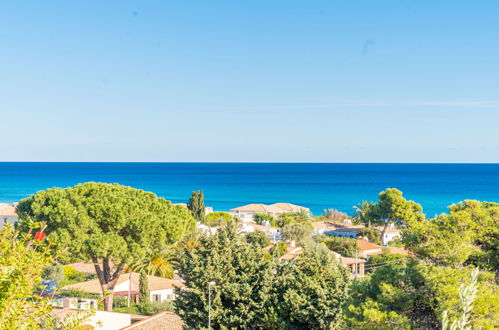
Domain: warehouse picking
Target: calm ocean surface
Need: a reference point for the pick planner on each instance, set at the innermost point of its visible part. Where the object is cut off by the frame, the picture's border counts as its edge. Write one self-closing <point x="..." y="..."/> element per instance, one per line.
<point x="227" y="185"/>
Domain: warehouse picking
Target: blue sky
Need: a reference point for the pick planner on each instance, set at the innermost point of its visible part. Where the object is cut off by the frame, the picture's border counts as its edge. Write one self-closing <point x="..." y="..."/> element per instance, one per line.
<point x="318" y="81"/>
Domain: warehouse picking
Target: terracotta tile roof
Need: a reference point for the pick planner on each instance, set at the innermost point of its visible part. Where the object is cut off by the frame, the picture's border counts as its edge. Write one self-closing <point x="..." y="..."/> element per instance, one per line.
<point x="275" y="208"/>
<point x="162" y="320"/>
<point x="84" y="267"/>
<point x="366" y="246"/>
<point x="388" y="230"/>
<point x="155" y="283"/>
<point x="292" y="251"/>
<point x="323" y="225"/>
<point x="8" y="210"/>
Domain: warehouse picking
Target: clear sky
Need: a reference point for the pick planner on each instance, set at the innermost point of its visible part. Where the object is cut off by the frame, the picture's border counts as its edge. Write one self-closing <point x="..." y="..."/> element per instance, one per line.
<point x="329" y="81"/>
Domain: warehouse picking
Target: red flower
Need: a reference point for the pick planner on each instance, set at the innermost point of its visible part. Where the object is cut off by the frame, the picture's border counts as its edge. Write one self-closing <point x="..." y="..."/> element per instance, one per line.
<point x="40" y="236"/>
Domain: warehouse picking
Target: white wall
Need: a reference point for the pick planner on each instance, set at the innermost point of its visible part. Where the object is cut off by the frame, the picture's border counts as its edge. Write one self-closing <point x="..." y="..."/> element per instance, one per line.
<point x="166" y="294"/>
<point x="4" y="218"/>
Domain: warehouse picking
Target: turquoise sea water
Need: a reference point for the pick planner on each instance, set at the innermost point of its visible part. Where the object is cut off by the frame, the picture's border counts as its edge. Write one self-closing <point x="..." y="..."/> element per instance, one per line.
<point x="227" y="185"/>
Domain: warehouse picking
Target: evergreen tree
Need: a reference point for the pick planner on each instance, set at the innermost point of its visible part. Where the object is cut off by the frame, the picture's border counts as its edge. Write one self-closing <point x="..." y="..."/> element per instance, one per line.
<point x="309" y="293"/>
<point x="196" y="206"/>
<point x="242" y="276"/>
<point x="143" y="288"/>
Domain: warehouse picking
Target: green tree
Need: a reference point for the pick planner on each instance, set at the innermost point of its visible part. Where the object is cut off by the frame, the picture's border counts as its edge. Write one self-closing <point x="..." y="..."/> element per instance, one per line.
<point x="143" y="288"/>
<point x="53" y="272"/>
<point x="259" y="218"/>
<point x="22" y="261"/>
<point x="391" y="208"/>
<point x="218" y="218"/>
<point x="242" y="277"/>
<point x="299" y="232"/>
<point x="196" y="206"/>
<point x="371" y="235"/>
<point x="278" y="250"/>
<point x="258" y="239"/>
<point x="361" y="212"/>
<point x="309" y="293"/>
<point x="347" y="247"/>
<point x="109" y="224"/>
<point x="469" y="234"/>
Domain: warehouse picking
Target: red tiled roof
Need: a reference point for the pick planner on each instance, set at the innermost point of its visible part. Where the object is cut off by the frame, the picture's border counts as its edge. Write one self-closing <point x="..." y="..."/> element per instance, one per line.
<point x="365" y="246"/>
<point x="163" y="320"/>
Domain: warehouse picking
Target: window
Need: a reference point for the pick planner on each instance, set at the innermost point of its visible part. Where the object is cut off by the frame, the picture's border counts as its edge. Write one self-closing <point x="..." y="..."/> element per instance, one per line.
<point x="156" y="297"/>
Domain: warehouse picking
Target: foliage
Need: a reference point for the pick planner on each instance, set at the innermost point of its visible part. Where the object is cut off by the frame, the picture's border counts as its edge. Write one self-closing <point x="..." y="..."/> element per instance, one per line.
<point x="258" y="239"/>
<point x="259" y="218"/>
<point x="143" y="288"/>
<point x="468" y="234"/>
<point x="371" y="234"/>
<point x="105" y="223"/>
<point x="445" y="283"/>
<point x="72" y="276"/>
<point x="467" y="295"/>
<point x="196" y="206"/>
<point x="299" y="232"/>
<point x="278" y="250"/>
<point x="242" y="278"/>
<point x="22" y="261"/>
<point x="406" y="293"/>
<point x="335" y="215"/>
<point x="347" y="247"/>
<point x="392" y="207"/>
<point x="309" y="293"/>
<point x="393" y="297"/>
<point x="294" y="217"/>
<point x="53" y="272"/>
<point x="79" y="294"/>
<point x="361" y="212"/>
<point x="151" y="307"/>
<point x="384" y="259"/>
<point x="218" y="218"/>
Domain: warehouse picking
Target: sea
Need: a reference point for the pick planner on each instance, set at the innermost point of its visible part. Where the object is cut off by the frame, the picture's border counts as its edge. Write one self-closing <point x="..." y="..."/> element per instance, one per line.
<point x="318" y="186"/>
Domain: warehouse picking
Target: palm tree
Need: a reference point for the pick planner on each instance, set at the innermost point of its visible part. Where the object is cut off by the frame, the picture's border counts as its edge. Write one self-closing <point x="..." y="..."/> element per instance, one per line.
<point x="362" y="210"/>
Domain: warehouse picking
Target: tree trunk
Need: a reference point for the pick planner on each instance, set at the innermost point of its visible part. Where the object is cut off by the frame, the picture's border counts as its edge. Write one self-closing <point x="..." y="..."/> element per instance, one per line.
<point x="385" y="227"/>
<point x="107" y="281"/>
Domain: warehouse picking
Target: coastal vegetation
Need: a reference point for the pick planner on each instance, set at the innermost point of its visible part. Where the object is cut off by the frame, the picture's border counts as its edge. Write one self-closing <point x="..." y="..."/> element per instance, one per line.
<point x="448" y="273"/>
<point x="110" y="224"/>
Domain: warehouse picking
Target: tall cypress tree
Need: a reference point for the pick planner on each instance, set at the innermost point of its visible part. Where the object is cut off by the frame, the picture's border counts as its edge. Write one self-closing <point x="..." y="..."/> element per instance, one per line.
<point x="196" y="206"/>
<point x="143" y="288"/>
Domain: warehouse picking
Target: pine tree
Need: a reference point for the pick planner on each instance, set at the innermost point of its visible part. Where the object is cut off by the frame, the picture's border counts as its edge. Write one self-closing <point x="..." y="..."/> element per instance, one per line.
<point x="196" y="206"/>
<point x="143" y="288"/>
<point x="242" y="279"/>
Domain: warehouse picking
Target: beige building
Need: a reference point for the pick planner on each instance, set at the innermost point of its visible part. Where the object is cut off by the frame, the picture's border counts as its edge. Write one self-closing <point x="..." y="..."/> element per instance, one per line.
<point x="8" y="213"/>
<point x="161" y="289"/>
<point x="246" y="212"/>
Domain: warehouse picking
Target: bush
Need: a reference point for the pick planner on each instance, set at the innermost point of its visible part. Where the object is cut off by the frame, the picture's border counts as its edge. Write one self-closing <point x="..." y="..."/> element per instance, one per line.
<point x="151" y="308"/>
<point x="218" y="218"/>
<point x="258" y="239"/>
<point x="261" y="217"/>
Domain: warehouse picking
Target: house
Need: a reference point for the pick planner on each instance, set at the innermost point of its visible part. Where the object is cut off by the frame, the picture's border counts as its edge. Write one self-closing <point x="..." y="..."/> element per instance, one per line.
<point x="246" y="212"/>
<point x="98" y="320"/>
<point x="390" y="234"/>
<point x="354" y="265"/>
<point x="347" y="231"/>
<point x="274" y="234"/>
<point x="369" y="249"/>
<point x="160" y="289"/>
<point x="292" y="251"/>
<point x="206" y="229"/>
<point x="162" y="320"/>
<point x="8" y="213"/>
<point x="322" y="227"/>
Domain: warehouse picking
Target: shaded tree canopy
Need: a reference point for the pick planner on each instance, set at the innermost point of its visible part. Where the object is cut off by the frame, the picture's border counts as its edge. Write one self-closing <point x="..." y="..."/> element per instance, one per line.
<point x="107" y="223"/>
<point x="242" y="277"/>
